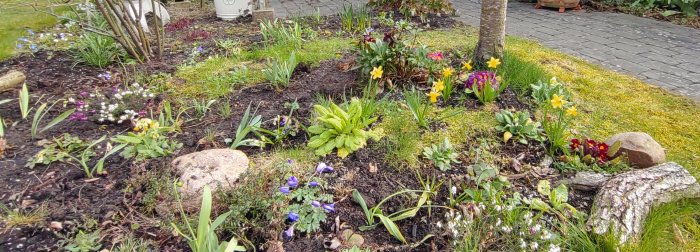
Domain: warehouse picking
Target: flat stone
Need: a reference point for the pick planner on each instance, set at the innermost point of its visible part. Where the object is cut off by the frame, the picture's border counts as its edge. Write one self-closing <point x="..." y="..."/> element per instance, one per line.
<point x="642" y="151"/>
<point x="218" y="168"/>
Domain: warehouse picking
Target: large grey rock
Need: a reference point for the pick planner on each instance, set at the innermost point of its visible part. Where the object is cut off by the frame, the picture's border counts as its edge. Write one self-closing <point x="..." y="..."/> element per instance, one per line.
<point x="642" y="151"/>
<point x="218" y="168"/>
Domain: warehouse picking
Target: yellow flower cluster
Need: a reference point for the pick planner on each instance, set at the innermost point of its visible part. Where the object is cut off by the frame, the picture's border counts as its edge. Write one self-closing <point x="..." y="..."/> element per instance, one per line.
<point x="558" y="102"/>
<point x="144" y="124"/>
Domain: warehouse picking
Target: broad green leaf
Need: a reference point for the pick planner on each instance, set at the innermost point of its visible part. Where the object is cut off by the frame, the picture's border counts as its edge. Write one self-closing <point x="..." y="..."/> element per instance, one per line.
<point x="543" y="187"/>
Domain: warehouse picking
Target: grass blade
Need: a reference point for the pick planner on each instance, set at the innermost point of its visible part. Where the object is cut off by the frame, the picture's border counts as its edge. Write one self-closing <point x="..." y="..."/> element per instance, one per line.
<point x="57" y="120"/>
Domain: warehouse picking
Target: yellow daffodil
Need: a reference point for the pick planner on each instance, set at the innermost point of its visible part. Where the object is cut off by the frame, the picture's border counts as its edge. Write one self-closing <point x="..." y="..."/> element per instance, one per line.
<point x="377" y="72"/>
<point x="553" y="80"/>
<point x="572" y="111"/>
<point x="493" y="63"/>
<point x="557" y="101"/>
<point x="467" y="65"/>
<point x="433" y="96"/>
<point x="447" y="72"/>
<point x="438" y="86"/>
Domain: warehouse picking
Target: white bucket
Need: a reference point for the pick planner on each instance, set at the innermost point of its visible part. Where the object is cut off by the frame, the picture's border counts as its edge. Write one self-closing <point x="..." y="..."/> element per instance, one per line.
<point x="231" y="9"/>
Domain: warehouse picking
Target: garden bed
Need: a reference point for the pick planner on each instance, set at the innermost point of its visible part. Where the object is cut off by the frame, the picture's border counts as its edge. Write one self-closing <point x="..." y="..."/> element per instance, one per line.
<point x="52" y="206"/>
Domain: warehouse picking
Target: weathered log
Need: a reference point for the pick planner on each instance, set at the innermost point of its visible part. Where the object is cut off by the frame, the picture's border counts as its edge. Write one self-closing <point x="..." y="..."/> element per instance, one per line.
<point x="587" y="181"/>
<point x="623" y="202"/>
<point x="11" y="80"/>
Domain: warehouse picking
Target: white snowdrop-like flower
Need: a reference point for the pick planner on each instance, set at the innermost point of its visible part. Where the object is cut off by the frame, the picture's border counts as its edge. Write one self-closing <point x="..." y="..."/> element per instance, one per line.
<point x="534" y="245"/>
<point x="498" y="222"/>
<point x="453" y="190"/>
<point x="150" y="95"/>
<point x="120" y="121"/>
<point x="523" y="244"/>
<point x="554" y="248"/>
<point x="439" y="224"/>
<point x="537" y="228"/>
<point x="546" y="235"/>
<point x="497" y="208"/>
<point x="71" y="100"/>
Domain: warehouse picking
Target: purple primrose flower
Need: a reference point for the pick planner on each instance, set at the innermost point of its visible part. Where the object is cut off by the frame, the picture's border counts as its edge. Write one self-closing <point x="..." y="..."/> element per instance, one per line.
<point x="480" y="79"/>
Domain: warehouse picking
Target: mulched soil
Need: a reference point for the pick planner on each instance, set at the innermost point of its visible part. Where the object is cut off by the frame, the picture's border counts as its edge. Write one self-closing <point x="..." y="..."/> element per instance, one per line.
<point x="72" y="199"/>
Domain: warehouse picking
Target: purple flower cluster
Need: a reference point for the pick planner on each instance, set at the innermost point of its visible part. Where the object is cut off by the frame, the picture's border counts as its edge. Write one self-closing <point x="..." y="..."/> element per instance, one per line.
<point x="481" y="78"/>
<point x="293" y="182"/>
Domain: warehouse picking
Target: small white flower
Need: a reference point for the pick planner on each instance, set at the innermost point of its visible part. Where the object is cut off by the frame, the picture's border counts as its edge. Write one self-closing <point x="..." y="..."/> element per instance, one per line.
<point x="534" y="245"/>
<point x="523" y="244"/>
<point x="453" y="190"/>
<point x="439" y="224"/>
<point x="554" y="248"/>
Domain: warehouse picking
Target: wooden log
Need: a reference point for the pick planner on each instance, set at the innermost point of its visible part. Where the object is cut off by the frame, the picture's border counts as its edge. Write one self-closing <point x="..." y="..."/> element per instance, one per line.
<point x="623" y="202"/>
<point x="587" y="181"/>
<point x="11" y="80"/>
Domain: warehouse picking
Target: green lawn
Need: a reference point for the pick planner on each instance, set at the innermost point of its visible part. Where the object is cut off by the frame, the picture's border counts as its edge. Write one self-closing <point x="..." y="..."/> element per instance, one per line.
<point x="17" y="17"/>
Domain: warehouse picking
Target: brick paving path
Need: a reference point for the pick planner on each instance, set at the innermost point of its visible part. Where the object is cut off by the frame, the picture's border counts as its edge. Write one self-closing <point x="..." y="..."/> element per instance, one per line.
<point x="660" y="53"/>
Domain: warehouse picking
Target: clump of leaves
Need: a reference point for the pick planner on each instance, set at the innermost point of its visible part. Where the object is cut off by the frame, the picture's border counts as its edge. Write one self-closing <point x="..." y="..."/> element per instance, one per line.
<point x="443" y="155"/>
<point x="558" y="198"/>
<point x="543" y="92"/>
<point x="150" y="140"/>
<point x="84" y="242"/>
<point x="279" y="72"/>
<point x="340" y="129"/>
<point x="411" y="8"/>
<point x="306" y="208"/>
<point x="206" y="239"/>
<point x="59" y="150"/>
<point x="518" y="125"/>
<point x="389" y="220"/>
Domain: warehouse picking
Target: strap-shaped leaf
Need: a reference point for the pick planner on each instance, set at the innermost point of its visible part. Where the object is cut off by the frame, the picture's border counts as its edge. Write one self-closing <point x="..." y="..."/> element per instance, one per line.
<point x="391" y="227"/>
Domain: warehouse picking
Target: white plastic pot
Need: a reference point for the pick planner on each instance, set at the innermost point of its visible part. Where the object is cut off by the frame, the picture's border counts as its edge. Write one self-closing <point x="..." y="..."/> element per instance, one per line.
<point x="231" y="9"/>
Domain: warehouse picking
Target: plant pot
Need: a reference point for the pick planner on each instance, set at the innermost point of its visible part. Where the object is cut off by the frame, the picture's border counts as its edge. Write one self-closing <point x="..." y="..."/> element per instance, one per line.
<point x="561" y="4"/>
<point x="231" y="9"/>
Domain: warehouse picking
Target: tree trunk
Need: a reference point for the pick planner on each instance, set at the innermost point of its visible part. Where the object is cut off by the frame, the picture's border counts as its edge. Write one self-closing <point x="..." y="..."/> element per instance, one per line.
<point x="624" y="201"/>
<point x="11" y="80"/>
<point x="492" y="31"/>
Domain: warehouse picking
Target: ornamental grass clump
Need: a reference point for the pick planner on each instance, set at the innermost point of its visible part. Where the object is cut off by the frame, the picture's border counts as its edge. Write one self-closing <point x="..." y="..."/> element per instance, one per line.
<point x="340" y="129"/>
